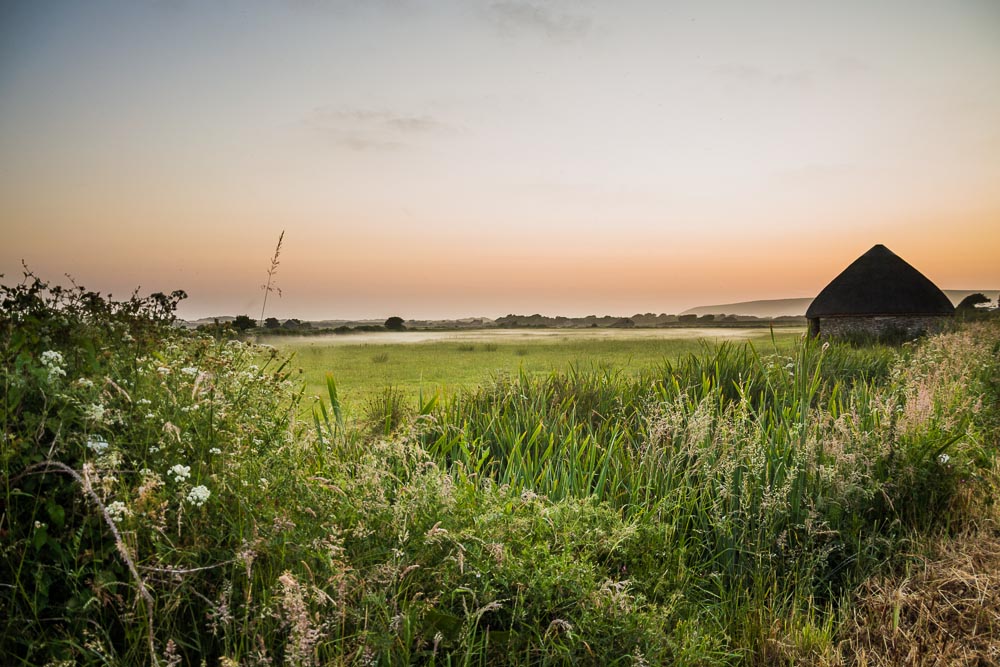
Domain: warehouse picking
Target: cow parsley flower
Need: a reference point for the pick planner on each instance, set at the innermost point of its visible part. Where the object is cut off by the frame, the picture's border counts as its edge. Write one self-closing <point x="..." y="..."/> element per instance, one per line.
<point x="215" y="450"/>
<point x="94" y="412"/>
<point x="51" y="358"/>
<point x="198" y="495"/>
<point x="180" y="472"/>
<point x="189" y="370"/>
<point x="97" y="444"/>
<point x="53" y="361"/>
<point x="118" y="511"/>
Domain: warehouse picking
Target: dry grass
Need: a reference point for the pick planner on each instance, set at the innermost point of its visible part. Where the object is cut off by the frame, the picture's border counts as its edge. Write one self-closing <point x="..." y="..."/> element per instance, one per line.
<point x="944" y="611"/>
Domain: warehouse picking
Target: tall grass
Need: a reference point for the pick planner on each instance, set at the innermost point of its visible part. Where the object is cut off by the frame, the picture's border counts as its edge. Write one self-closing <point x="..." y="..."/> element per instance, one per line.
<point x="774" y="482"/>
<point x="161" y="502"/>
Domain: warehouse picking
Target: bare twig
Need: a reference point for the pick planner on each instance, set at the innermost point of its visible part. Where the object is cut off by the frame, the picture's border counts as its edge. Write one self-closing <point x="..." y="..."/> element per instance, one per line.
<point x="56" y="466"/>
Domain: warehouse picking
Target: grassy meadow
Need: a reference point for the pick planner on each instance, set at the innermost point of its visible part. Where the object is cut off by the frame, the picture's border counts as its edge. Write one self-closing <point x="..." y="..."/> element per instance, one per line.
<point x="172" y="498"/>
<point x="449" y="364"/>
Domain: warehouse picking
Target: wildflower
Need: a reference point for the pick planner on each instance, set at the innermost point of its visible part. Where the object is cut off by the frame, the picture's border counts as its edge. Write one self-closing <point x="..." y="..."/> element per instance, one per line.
<point x="163" y="370"/>
<point x="943" y="459"/>
<point x="189" y="370"/>
<point x="94" y="412"/>
<point x="198" y="495"/>
<point x="144" y="401"/>
<point x="51" y="358"/>
<point x="215" y="450"/>
<point x="39" y="525"/>
<point x="180" y="472"/>
<point x="97" y="444"/>
<point x="52" y="361"/>
<point x="118" y="511"/>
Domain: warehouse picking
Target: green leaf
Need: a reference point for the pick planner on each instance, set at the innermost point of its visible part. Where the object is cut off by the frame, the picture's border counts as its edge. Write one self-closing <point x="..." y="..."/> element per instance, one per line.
<point x="331" y="388"/>
<point x="56" y="513"/>
<point x="39" y="537"/>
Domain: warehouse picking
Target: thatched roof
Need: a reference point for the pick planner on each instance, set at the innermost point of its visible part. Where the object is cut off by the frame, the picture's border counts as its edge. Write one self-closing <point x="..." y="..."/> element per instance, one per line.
<point x="880" y="283"/>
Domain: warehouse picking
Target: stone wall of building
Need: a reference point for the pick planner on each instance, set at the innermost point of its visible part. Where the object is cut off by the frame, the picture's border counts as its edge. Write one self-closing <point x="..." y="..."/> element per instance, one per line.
<point x="884" y="325"/>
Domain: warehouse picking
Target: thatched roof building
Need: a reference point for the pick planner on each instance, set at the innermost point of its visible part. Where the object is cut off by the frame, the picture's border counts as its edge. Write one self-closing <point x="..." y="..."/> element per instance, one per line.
<point x="879" y="294"/>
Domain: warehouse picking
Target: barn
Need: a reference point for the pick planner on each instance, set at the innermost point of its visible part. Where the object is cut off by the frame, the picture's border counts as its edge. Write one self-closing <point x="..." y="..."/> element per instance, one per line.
<point x="879" y="295"/>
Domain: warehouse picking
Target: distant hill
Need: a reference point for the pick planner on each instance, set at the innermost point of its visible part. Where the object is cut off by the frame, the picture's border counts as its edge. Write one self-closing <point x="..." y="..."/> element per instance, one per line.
<point x="797" y="307"/>
<point x="763" y="308"/>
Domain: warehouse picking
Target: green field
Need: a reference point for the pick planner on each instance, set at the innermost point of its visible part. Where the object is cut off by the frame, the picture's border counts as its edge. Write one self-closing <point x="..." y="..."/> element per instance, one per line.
<point x="447" y="363"/>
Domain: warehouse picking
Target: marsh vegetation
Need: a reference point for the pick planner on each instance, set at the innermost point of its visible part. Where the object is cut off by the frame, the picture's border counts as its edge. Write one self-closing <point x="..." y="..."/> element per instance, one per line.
<point x="165" y="501"/>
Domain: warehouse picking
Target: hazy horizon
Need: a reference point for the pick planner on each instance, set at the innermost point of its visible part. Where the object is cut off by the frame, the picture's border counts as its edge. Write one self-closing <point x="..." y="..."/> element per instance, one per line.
<point x="476" y="158"/>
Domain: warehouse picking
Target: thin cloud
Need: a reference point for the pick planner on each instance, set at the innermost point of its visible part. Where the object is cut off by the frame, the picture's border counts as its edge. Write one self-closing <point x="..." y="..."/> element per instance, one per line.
<point x="747" y="74"/>
<point x="369" y="129"/>
<point x="512" y="16"/>
<point x="327" y="117"/>
<point x="364" y="144"/>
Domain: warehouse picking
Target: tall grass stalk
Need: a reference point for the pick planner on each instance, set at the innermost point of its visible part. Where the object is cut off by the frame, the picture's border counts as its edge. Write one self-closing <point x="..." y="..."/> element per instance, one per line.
<point x="268" y="286"/>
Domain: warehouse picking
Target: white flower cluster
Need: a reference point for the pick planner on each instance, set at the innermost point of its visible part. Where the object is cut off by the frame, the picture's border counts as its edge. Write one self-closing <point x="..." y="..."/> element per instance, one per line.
<point x="53" y="361"/>
<point x="189" y="370"/>
<point x="94" y="412"/>
<point x="51" y="358"/>
<point x="943" y="459"/>
<point x="180" y="472"/>
<point x="97" y="444"/>
<point x="118" y="511"/>
<point x="198" y="495"/>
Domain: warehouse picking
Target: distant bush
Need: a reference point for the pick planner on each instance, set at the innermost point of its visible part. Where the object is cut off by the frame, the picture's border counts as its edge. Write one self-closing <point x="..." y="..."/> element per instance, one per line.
<point x="970" y="302"/>
<point x="244" y="323"/>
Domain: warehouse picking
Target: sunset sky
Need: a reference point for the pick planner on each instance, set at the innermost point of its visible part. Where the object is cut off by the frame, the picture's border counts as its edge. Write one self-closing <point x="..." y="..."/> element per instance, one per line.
<point x="448" y="158"/>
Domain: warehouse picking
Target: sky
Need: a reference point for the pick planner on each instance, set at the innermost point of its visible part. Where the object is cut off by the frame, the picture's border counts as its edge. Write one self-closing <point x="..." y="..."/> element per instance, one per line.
<point x="451" y="158"/>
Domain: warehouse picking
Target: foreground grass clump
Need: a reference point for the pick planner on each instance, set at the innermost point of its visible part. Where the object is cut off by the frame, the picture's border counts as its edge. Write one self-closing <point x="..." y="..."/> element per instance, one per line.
<point x="775" y="483"/>
<point x="161" y="503"/>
